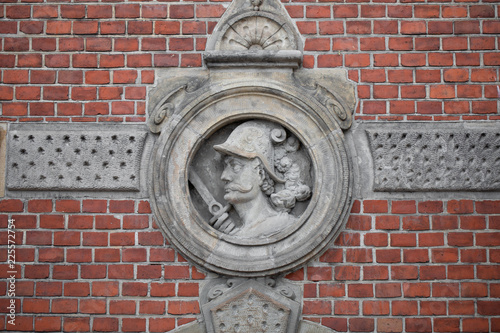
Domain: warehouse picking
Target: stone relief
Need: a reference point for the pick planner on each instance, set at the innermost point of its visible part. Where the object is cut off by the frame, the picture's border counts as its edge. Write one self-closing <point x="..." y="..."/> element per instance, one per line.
<point x="240" y="305"/>
<point x="256" y="33"/>
<point x="74" y="160"/>
<point x="264" y="175"/>
<point x="435" y="160"/>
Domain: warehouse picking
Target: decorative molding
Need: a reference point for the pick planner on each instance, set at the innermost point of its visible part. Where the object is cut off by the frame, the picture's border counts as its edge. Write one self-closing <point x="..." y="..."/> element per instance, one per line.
<point x="241" y="305"/>
<point x="259" y="32"/>
<point x="308" y="105"/>
<point x="66" y="158"/>
<point x="438" y="159"/>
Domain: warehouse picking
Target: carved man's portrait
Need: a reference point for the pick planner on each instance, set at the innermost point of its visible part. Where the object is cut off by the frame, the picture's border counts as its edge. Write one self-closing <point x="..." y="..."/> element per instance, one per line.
<point x="264" y="173"/>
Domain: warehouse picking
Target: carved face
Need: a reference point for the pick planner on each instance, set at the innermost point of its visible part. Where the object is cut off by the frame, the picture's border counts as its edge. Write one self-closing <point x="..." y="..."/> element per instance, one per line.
<point x="242" y="179"/>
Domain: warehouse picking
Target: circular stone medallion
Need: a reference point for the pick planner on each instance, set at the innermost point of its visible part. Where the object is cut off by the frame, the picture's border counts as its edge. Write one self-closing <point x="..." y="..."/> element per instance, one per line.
<point x="251" y="181"/>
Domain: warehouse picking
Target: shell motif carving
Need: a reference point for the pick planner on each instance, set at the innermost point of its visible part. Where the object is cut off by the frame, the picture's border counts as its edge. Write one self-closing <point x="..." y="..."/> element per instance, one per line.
<point x="256" y="33"/>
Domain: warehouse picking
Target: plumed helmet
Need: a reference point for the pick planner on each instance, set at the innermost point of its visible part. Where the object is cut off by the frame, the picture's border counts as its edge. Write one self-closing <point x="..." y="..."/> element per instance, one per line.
<point x="253" y="139"/>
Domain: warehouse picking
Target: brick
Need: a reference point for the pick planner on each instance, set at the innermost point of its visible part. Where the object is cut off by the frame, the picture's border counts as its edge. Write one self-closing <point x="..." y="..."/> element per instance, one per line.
<point x="404" y="308"/>
<point x="361" y="324"/>
<point x="64" y="28"/>
<point x="413" y="60"/>
<point x="418" y="325"/>
<point x="345" y="11"/>
<point x="358" y="27"/>
<point x="475" y="325"/>
<point x="105" y="288"/>
<point x="123" y="271"/>
<point x="346" y="308"/>
<point x="343" y="273"/>
<point x="400" y="43"/>
<point x="385" y="27"/>
<point x="404" y="272"/>
<point x="319" y="273"/>
<point x="36" y="306"/>
<point x="67" y="238"/>
<point x="388" y="256"/>
<point x="432" y="272"/>
<point x="79" y="255"/>
<point x="360" y="290"/>
<point x="99" y="11"/>
<point x="472" y="222"/>
<point x="359" y="255"/>
<point x="455" y="43"/>
<point x="402" y="240"/>
<point x="387" y="222"/>
<point x="372" y="44"/>
<point x="105" y="324"/>
<point x="71" y="44"/>
<point x="152" y="307"/>
<point x="181" y="11"/>
<point x="162" y="289"/>
<point x="483" y="107"/>
<point x="76" y="324"/>
<point x="154" y="11"/>
<point x="439" y="27"/>
<point x="400" y="76"/>
<point x="47" y="324"/>
<point x="40" y="206"/>
<point x="444" y="222"/>
<point x="98" y="44"/>
<point x="133" y="324"/>
<point x="127" y="11"/>
<point x="176" y="272"/>
<point x="330" y="28"/>
<point x="329" y="60"/>
<point x="444" y="255"/>
<point x="317" y="44"/>
<point x="473" y="255"/>
<point x="48" y="288"/>
<point x="64" y="306"/>
<point x="390" y="324"/>
<point x="113" y="28"/>
<point x="139" y="27"/>
<point x="192" y="307"/>
<point x="488" y="308"/>
<point x="318" y="11"/>
<point x="428" y="44"/>
<point x="413" y="27"/>
<point x="446" y="325"/>
<point x="29" y="60"/>
<point x="376" y="239"/>
<point x="482" y="43"/>
<point x="139" y="60"/>
<point x="93" y="272"/>
<point x="15" y="76"/>
<point x="385" y="91"/>
<point x="122" y="307"/>
<point x="332" y="290"/>
<point x="134" y="289"/>
<point x="84" y="60"/>
<point x="344" y="44"/>
<point x="454" y="11"/>
<point x="161" y="324"/>
<point x="50" y="255"/>
<point x="376" y="308"/>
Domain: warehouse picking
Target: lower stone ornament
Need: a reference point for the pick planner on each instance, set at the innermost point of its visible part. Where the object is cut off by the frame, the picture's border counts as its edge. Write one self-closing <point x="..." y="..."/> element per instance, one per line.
<point x="251" y="306"/>
<point x="239" y="305"/>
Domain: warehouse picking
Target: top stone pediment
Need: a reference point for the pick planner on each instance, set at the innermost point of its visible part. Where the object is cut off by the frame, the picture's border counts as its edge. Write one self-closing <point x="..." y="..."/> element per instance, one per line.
<point x="255" y="33"/>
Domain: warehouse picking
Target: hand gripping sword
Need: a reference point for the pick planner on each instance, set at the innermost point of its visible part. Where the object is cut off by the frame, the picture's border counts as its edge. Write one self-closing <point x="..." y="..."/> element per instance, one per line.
<point x="218" y="211"/>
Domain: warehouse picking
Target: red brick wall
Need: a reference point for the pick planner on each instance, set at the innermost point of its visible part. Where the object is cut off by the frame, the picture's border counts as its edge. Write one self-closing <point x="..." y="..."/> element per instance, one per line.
<point x="400" y="265"/>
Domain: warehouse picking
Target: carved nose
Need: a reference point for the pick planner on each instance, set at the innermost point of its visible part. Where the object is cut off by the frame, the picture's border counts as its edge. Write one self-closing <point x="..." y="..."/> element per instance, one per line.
<point x="225" y="175"/>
